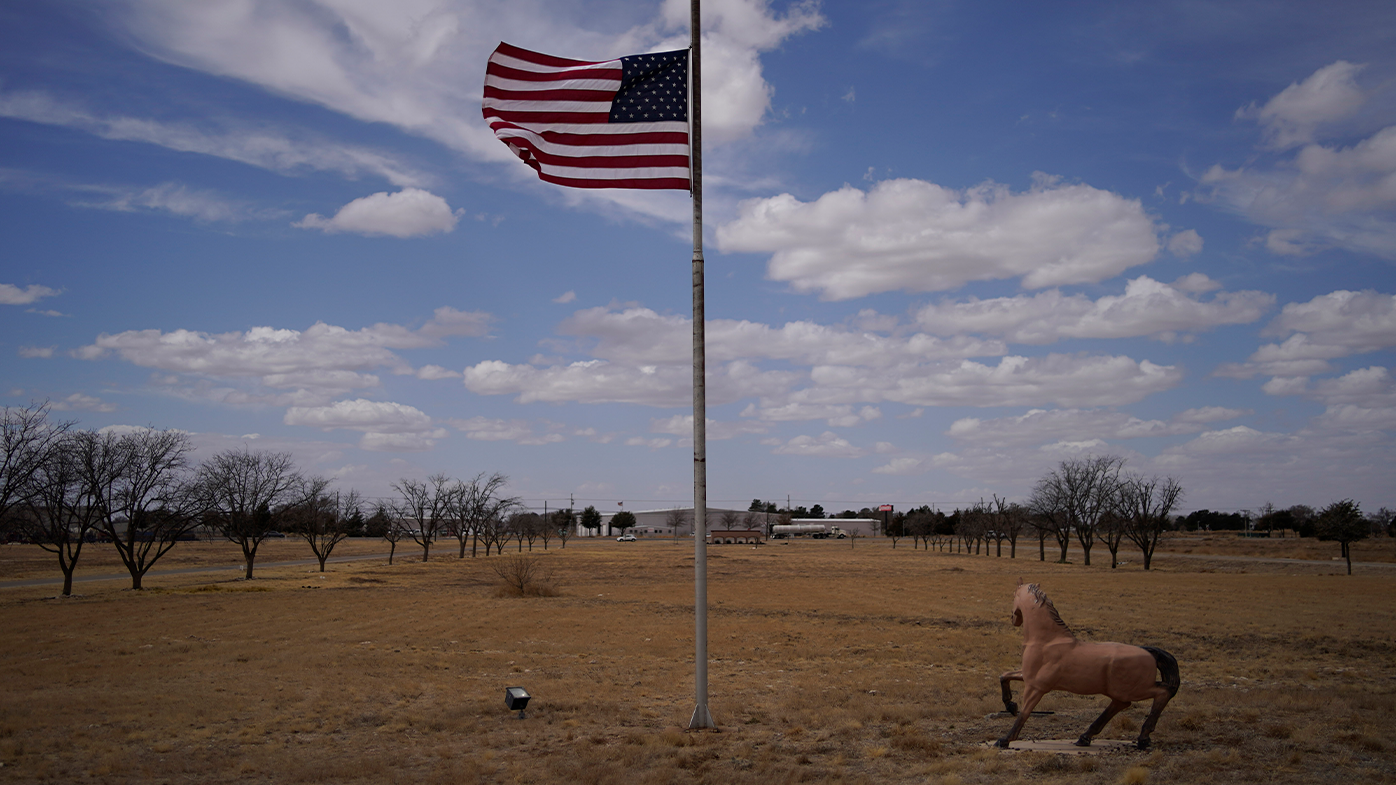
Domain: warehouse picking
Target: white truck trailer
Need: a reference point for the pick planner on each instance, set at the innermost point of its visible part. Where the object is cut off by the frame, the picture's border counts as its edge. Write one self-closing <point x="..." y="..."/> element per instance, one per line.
<point x="816" y="531"/>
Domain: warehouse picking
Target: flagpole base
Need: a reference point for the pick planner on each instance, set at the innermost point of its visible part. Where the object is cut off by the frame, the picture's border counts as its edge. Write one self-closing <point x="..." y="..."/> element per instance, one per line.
<point x="702" y="720"/>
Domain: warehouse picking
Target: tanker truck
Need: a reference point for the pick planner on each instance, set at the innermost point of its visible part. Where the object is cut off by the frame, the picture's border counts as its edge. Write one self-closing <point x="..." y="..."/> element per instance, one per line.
<point x="817" y="531"/>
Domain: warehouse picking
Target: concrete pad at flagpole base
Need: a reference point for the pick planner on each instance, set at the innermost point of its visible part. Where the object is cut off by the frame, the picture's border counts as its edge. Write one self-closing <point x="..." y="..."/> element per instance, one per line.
<point x="1067" y="746"/>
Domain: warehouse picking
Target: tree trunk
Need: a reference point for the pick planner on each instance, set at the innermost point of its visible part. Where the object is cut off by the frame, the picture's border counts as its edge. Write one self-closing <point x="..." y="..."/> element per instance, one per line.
<point x="68" y="583"/>
<point x="250" y="558"/>
<point x="322" y="562"/>
<point x="1349" y="556"/>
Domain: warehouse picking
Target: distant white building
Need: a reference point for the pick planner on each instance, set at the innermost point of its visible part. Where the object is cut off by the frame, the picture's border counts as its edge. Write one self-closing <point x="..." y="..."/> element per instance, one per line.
<point x="678" y="522"/>
<point x="668" y="522"/>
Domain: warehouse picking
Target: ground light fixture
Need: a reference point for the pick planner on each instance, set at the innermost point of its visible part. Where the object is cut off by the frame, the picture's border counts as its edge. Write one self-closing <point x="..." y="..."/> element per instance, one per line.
<point x="516" y="698"/>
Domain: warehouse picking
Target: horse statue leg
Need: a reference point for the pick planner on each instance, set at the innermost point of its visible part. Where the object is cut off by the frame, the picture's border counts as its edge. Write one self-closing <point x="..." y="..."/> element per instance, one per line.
<point x="1115" y="707"/>
<point x="1167" y="688"/>
<point x="1031" y="695"/>
<point x="1008" y="704"/>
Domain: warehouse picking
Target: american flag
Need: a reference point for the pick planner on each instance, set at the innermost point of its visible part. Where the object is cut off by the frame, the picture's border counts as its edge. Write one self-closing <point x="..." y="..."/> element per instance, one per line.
<point x="612" y="124"/>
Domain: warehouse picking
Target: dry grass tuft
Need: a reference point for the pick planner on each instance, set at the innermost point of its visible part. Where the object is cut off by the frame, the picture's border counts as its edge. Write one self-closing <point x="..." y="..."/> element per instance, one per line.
<point x="1135" y="775"/>
<point x="524" y="575"/>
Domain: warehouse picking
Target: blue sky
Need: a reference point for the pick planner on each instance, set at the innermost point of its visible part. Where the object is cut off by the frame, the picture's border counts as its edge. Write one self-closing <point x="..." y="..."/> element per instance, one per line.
<point x="948" y="246"/>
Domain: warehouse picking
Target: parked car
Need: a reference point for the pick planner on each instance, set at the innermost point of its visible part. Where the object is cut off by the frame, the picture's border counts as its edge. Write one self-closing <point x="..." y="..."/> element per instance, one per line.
<point x="626" y="538"/>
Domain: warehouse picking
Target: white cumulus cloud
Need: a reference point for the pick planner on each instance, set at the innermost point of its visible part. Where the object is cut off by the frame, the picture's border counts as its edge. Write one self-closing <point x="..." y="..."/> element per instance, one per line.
<point x="917" y="236"/>
<point x="1291" y="117"/>
<point x="13" y="295"/>
<point x="1147" y="307"/>
<point x="825" y="445"/>
<point x="1320" y="196"/>
<point x="320" y="362"/>
<point x="386" y="426"/>
<point x="410" y="212"/>
<point x="1333" y="325"/>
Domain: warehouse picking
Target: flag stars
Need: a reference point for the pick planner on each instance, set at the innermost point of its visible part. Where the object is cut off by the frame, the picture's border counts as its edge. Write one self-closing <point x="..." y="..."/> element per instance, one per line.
<point x="653" y="88"/>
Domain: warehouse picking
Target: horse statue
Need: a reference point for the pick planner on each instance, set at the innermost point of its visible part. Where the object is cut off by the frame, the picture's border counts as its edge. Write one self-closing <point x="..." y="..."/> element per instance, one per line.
<point x="1053" y="659"/>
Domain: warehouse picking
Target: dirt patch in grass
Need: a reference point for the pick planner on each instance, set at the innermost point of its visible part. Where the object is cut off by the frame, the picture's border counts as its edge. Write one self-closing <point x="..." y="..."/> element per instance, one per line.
<point x="827" y="663"/>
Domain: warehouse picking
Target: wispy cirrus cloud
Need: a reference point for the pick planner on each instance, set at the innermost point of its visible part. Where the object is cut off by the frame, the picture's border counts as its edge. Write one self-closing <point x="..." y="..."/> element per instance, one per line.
<point x="276" y="150"/>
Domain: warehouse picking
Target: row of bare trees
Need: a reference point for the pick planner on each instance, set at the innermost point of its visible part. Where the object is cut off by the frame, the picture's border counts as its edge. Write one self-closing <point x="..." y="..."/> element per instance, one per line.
<point x="1091" y="499"/>
<point x="63" y="488"/>
<point x="474" y="512"/>
<point x="1094" y="499"/>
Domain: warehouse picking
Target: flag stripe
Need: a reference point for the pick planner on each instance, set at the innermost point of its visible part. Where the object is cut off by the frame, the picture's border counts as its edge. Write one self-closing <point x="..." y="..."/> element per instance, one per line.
<point x="506" y="52"/>
<point x="564" y="145"/>
<point x="669" y="130"/>
<point x="608" y="74"/>
<point x="506" y="98"/>
<point x="537" y="85"/>
<point x="556" y="115"/>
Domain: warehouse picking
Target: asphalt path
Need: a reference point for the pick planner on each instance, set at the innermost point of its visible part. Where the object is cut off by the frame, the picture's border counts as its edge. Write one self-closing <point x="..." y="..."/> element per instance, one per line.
<point x="240" y="567"/>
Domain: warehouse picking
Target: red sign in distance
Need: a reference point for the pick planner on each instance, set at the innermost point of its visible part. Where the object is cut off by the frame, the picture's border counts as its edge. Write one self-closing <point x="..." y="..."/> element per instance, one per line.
<point x="885" y="508"/>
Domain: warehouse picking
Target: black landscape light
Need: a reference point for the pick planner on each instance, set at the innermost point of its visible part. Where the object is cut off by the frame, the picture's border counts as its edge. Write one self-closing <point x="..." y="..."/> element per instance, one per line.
<point x="516" y="698"/>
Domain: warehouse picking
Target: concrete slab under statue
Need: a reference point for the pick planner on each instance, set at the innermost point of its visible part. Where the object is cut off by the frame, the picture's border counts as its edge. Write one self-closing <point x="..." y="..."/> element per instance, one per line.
<point x="1065" y="746"/>
<point x="1054" y="659"/>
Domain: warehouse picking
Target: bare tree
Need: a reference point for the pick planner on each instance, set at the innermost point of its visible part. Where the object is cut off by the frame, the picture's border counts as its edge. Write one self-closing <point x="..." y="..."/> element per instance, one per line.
<point x="1382" y="521"/>
<point x="1112" y="530"/>
<point x="246" y="490"/>
<point x="676" y="519"/>
<point x="393" y="530"/>
<point x="969" y="528"/>
<point x="142" y="485"/>
<point x="495" y="530"/>
<point x="1146" y="505"/>
<point x="471" y="506"/>
<point x="26" y="437"/>
<point x="322" y="517"/>
<point x="730" y="519"/>
<point x="425" y="508"/>
<point x="524" y="526"/>
<point x="1011" y="520"/>
<point x="547" y="529"/>
<point x="58" y="512"/>
<point x="1050" y="517"/>
<point x="1075" y="496"/>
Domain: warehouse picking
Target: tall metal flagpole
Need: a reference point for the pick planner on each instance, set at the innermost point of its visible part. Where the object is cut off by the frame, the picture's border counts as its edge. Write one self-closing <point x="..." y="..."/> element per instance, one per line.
<point x="701" y="717"/>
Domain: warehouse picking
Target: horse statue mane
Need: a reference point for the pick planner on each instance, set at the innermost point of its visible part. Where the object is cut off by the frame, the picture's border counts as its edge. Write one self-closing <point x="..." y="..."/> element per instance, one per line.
<point x="1041" y="599"/>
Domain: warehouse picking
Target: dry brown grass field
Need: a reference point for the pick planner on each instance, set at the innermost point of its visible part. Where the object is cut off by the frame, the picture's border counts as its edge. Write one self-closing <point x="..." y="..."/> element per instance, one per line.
<point x="829" y="662"/>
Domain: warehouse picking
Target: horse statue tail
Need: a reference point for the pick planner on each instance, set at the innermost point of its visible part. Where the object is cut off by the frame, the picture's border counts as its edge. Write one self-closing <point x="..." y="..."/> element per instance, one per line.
<point x="1168" y="668"/>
